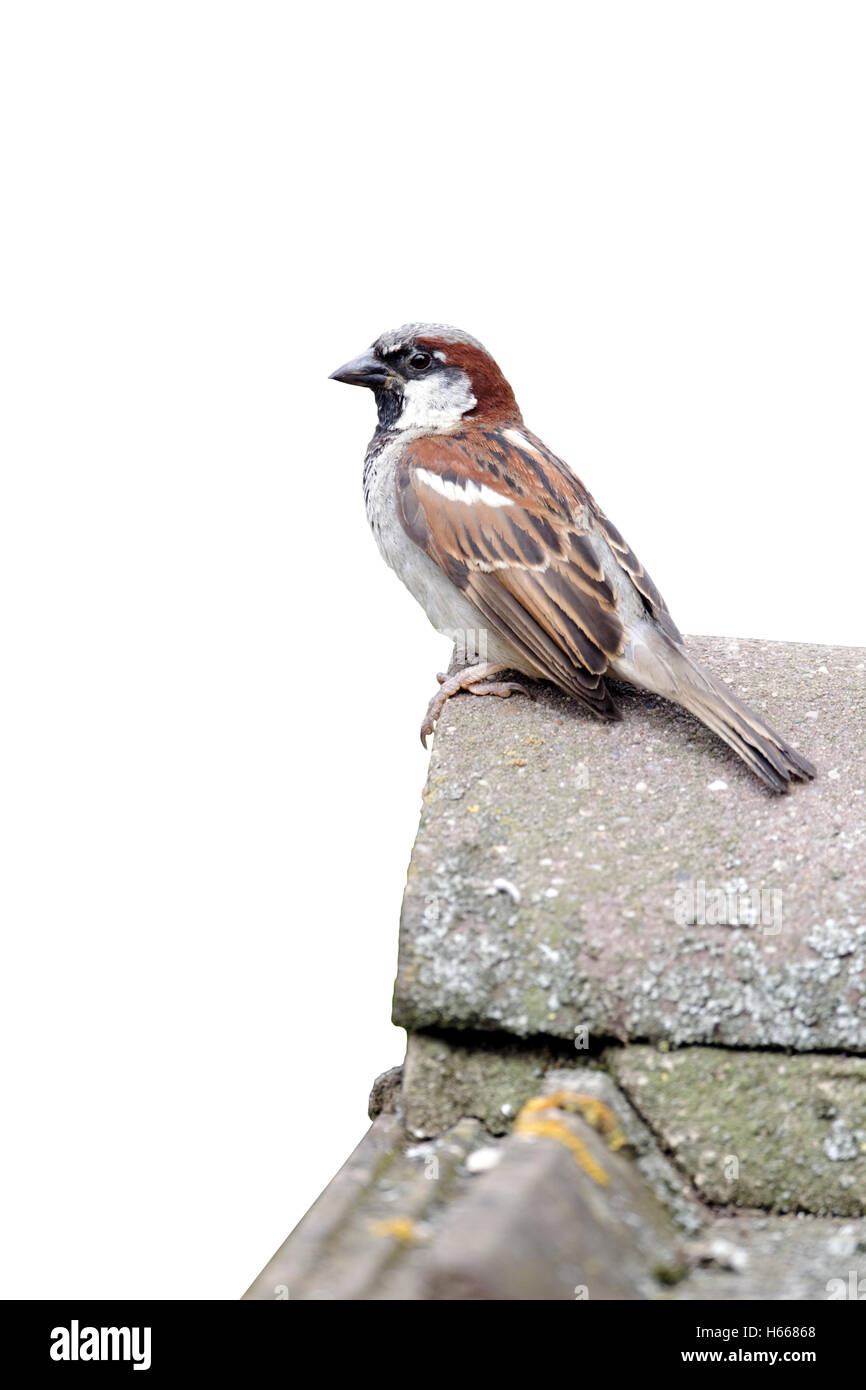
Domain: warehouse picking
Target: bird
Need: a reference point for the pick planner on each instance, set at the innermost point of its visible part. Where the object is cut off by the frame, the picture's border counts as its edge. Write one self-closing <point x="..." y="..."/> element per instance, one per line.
<point x="512" y="558"/>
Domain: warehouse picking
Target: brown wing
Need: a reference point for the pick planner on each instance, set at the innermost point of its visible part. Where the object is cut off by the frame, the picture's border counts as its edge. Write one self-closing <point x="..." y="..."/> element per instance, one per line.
<point x="653" y="601"/>
<point x="506" y="521"/>
<point x="556" y="477"/>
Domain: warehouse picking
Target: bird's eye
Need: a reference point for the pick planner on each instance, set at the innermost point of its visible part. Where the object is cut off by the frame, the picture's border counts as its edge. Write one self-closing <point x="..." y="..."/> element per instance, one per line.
<point x="420" y="360"/>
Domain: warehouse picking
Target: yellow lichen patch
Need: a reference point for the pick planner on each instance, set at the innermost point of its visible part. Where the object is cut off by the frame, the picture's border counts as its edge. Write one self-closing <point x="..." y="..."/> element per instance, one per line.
<point x="599" y="1115"/>
<point x="401" y="1228"/>
<point x="551" y="1128"/>
<point x="532" y="1120"/>
<point x="473" y="810"/>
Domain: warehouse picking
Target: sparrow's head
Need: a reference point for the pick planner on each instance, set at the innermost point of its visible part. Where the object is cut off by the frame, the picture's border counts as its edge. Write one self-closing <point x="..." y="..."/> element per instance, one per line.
<point x="429" y="377"/>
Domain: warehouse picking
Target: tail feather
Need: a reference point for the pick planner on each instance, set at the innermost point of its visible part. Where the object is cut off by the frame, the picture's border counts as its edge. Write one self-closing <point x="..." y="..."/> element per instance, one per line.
<point x="765" y="751"/>
<point x="676" y="675"/>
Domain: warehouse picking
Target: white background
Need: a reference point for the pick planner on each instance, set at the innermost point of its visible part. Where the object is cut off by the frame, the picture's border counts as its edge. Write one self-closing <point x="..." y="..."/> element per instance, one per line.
<point x="655" y="217"/>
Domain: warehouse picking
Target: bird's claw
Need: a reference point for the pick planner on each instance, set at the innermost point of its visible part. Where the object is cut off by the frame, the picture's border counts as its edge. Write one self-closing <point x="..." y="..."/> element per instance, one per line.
<point x="474" y="681"/>
<point x="501" y="688"/>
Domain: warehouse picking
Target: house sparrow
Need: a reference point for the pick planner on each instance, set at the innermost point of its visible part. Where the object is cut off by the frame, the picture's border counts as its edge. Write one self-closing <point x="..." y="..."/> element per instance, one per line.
<point x="493" y="534"/>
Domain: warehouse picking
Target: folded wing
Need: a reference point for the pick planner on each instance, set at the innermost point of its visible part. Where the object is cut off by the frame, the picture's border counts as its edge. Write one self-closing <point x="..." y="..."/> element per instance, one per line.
<point x="512" y="527"/>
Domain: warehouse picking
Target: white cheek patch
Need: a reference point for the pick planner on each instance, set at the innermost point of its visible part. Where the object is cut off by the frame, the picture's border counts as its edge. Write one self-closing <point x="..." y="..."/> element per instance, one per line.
<point x="462" y="492"/>
<point x="436" y="402"/>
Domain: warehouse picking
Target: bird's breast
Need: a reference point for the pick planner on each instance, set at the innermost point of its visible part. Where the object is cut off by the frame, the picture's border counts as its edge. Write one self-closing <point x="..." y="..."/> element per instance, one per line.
<point x="446" y="607"/>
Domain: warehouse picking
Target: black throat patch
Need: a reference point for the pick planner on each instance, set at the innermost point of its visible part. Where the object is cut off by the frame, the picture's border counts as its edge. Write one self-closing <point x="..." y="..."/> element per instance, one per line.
<point x="389" y="404"/>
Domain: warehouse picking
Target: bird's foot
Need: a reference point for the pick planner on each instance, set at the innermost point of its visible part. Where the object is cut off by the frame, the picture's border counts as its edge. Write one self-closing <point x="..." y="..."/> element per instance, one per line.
<point x="476" y="680"/>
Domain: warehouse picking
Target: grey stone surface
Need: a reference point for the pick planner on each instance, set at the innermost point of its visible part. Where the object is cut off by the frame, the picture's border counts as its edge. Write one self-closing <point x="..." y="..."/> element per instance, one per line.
<point x="635" y="879"/>
<point x="669" y="1184"/>
<point x="751" y="1256"/>
<point x="756" y="1129"/>
<point x="385" y="1092"/>
<point x="385" y="1202"/>
<point x="489" y="1078"/>
<point x="635" y="988"/>
<point x="469" y="1216"/>
<point x="539" y="1225"/>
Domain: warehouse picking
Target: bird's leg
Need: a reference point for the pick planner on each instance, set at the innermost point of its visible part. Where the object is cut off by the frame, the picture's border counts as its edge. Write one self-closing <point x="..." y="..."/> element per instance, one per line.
<point x="474" y="679"/>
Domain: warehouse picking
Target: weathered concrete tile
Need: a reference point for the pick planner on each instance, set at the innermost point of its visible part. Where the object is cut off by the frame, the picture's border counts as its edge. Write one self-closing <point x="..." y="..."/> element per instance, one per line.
<point x="468" y="1216"/>
<point x="756" y="1129"/>
<point x="385" y="1093"/>
<point x="300" y="1255"/>
<point x="668" y="1184"/>
<point x="561" y="1216"/>
<point x="792" y="1258"/>
<point x="379" y="1213"/>
<point x="560" y="865"/>
<point x="489" y="1078"/>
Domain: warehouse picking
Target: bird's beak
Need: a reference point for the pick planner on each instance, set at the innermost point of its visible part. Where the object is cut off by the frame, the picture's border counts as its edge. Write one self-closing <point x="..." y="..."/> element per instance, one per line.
<point x="366" y="370"/>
